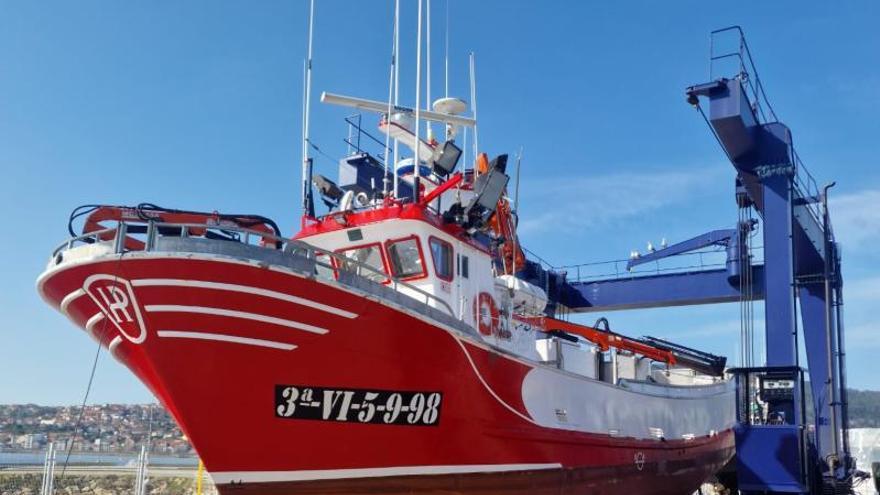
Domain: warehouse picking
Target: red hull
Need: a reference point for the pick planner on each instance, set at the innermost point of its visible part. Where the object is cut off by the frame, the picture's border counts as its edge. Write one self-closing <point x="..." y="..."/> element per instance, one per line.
<point x="223" y="392"/>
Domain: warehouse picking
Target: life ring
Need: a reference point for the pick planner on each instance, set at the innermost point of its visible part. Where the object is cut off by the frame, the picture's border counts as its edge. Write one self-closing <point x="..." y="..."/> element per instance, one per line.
<point x="486" y="314"/>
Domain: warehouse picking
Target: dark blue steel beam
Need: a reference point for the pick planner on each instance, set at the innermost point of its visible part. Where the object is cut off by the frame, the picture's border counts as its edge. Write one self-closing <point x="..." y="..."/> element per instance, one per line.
<point x="714" y="238"/>
<point x="657" y="291"/>
<point x="780" y="328"/>
<point x="816" y="343"/>
<point x="757" y="150"/>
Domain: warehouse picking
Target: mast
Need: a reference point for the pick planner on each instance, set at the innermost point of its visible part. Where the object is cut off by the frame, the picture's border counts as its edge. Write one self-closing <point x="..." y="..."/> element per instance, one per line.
<point x="308" y="204"/>
<point x="396" y="85"/>
<point x="428" y="133"/>
<point x="391" y="93"/>
<point x="516" y="210"/>
<point x="416" y="165"/>
<point x="446" y="56"/>
<point x="473" y="77"/>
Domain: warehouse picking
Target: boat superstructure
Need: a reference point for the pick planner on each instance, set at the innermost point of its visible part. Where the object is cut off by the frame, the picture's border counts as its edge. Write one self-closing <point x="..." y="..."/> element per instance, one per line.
<point x="392" y="345"/>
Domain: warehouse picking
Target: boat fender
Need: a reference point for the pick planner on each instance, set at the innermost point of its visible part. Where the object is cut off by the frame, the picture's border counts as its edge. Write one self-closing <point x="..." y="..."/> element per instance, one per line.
<point x="346" y="202"/>
<point x="361" y="200"/>
<point x="486" y="313"/>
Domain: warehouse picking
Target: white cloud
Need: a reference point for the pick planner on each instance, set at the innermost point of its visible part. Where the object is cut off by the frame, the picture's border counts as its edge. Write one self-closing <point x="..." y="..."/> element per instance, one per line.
<point x="856" y="219"/>
<point x="586" y="201"/>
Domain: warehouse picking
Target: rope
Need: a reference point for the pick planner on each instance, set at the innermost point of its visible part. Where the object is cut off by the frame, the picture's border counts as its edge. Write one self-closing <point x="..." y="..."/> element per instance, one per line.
<point x="82" y="408"/>
<point x="321" y="152"/>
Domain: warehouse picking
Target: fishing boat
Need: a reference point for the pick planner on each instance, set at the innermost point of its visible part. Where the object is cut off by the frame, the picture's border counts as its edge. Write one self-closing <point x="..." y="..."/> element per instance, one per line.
<point x="400" y="342"/>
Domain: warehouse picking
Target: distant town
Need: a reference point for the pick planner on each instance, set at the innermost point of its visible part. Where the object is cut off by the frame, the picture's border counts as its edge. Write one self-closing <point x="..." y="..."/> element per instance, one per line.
<point x="107" y="428"/>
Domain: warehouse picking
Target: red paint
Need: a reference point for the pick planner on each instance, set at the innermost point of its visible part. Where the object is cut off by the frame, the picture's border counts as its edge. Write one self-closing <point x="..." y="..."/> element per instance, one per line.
<point x="334" y="222"/>
<point x="221" y="393"/>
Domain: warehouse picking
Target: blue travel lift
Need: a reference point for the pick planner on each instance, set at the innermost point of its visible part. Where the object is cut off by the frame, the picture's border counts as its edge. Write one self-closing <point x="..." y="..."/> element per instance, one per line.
<point x="777" y="451"/>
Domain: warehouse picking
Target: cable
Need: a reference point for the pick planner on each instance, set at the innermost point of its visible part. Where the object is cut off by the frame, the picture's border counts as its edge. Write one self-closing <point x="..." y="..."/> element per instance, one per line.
<point x="325" y="155"/>
<point x="239" y="219"/>
<point x="83" y="407"/>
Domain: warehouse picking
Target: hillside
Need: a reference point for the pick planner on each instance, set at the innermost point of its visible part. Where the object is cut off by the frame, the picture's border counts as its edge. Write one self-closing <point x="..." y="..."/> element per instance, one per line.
<point x="864" y="409"/>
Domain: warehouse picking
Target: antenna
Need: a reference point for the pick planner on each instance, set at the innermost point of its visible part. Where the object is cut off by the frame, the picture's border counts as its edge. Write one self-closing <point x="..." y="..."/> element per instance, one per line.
<point x="417" y="165"/>
<point x="308" y="204"/>
<point x="390" y="98"/>
<point x="516" y="209"/>
<point x="473" y="77"/>
<point x="396" y="82"/>
<point x="516" y="190"/>
<point x="464" y="148"/>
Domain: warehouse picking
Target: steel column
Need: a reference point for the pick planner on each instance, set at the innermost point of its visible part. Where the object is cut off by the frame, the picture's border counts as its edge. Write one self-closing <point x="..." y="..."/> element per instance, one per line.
<point x="779" y="295"/>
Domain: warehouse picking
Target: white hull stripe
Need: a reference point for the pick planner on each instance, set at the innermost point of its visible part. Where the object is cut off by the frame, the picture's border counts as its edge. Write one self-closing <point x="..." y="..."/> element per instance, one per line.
<point x="175" y="334"/>
<point x="204" y="310"/>
<point x="113" y="343"/>
<point x="246" y="289"/>
<point x="73" y="296"/>
<point x="224" y="477"/>
<point x="90" y="324"/>
<point x="488" y="388"/>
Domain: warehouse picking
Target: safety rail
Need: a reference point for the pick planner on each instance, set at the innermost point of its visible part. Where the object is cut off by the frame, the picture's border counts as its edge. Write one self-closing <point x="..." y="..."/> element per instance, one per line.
<point x="808" y="188"/>
<point x="616" y="269"/>
<point x="155" y="230"/>
<point x="355" y="132"/>
<point x="748" y="72"/>
<point x="751" y="83"/>
<point x="583" y="272"/>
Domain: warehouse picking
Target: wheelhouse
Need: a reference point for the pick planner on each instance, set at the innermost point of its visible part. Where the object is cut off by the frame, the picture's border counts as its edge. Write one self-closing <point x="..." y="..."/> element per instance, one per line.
<point x="409" y="243"/>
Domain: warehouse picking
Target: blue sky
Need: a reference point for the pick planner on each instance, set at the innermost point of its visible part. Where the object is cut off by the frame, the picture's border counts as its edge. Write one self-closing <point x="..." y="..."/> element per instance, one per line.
<point x="197" y="105"/>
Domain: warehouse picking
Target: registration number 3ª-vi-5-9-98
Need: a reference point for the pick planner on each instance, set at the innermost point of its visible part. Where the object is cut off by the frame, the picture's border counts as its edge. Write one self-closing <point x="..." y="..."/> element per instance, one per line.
<point x="358" y="405"/>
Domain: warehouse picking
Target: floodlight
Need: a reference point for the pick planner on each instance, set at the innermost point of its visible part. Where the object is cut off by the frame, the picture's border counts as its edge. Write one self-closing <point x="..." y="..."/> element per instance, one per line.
<point x="489" y="188"/>
<point x="446" y="158"/>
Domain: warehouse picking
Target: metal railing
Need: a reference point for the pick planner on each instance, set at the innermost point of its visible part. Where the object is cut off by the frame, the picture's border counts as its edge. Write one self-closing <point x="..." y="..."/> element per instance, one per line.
<point x="355" y="132"/>
<point x="585" y="272"/>
<point x="807" y="187"/>
<point x="335" y="263"/>
<point x="616" y="269"/>
<point x="747" y="72"/>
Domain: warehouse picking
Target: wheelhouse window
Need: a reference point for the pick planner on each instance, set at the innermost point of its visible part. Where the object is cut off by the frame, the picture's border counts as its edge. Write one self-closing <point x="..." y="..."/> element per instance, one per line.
<point x="405" y="258"/>
<point x="441" y="252"/>
<point x="370" y="255"/>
